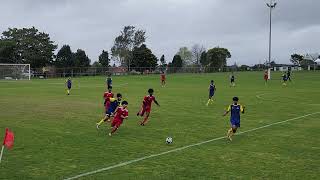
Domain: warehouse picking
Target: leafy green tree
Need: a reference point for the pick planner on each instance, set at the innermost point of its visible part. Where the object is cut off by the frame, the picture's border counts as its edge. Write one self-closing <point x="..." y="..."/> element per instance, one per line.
<point x="186" y="55"/>
<point x="7" y="49"/>
<point x="126" y="42"/>
<point x="163" y="63"/>
<point x="64" y="57"/>
<point x="176" y="63"/>
<point x="203" y="59"/>
<point x="296" y="59"/>
<point x="217" y="57"/>
<point x="104" y="58"/>
<point x="143" y="57"/>
<point x="30" y="46"/>
<point x="81" y="59"/>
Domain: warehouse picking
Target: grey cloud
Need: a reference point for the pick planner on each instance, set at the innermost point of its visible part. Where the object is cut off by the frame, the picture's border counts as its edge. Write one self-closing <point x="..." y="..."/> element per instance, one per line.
<point x="241" y="26"/>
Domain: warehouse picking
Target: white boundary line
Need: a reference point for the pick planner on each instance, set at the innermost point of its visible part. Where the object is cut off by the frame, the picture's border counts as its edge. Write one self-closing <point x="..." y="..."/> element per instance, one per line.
<point x="181" y="148"/>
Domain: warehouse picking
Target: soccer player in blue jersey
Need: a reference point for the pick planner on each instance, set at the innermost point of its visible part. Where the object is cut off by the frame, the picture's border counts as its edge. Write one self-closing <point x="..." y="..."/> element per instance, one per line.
<point x="232" y="80"/>
<point x="235" y="108"/>
<point x="68" y="85"/>
<point x="109" y="81"/>
<point x="114" y="103"/>
<point x="212" y="89"/>
<point x="284" y="79"/>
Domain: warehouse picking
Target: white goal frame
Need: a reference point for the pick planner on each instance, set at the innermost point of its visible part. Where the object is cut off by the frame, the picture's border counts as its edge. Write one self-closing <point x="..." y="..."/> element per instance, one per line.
<point x="25" y="65"/>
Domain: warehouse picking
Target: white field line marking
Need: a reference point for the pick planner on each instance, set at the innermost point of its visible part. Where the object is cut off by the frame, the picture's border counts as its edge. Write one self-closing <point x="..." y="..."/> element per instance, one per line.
<point x="181" y="148"/>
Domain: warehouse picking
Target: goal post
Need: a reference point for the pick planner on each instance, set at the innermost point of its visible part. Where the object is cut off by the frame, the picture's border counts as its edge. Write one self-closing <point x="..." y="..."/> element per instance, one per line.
<point x="15" y="71"/>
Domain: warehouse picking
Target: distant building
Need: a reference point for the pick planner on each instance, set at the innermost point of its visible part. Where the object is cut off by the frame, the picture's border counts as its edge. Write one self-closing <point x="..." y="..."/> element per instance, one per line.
<point x="286" y="67"/>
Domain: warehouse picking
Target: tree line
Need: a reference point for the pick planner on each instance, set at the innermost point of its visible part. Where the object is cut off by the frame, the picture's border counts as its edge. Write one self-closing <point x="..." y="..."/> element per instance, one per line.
<point x="30" y="46"/>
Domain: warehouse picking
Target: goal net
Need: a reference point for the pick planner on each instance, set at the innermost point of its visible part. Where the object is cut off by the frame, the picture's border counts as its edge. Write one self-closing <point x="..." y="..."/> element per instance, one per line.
<point x="15" y="72"/>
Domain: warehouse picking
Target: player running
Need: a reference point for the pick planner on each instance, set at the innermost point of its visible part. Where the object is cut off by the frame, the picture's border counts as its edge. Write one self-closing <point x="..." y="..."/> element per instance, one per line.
<point x="114" y="103"/>
<point x="212" y="89"/>
<point x="235" y="109"/>
<point x="68" y="85"/>
<point x="232" y="80"/>
<point x="163" y="79"/>
<point x="109" y="81"/>
<point x="106" y="96"/>
<point x="121" y="113"/>
<point x="284" y="79"/>
<point x="289" y="75"/>
<point x="266" y="76"/>
<point x="146" y="106"/>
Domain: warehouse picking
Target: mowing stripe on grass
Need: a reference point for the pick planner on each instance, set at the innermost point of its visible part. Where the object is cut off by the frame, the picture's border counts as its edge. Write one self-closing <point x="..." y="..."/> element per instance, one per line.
<point x="182" y="148"/>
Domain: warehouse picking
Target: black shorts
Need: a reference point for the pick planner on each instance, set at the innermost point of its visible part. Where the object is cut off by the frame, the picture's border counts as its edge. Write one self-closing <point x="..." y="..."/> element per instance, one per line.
<point x="109" y="86"/>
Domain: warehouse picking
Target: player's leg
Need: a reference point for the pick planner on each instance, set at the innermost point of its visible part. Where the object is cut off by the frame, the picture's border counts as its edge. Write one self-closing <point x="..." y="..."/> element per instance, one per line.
<point x="115" y="126"/>
<point x="145" y="120"/>
<point x="208" y="101"/>
<point x="141" y="111"/>
<point x="104" y="119"/>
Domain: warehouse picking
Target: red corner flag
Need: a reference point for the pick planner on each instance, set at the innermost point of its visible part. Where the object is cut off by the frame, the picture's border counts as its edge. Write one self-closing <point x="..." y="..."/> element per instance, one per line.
<point x="7" y="141"/>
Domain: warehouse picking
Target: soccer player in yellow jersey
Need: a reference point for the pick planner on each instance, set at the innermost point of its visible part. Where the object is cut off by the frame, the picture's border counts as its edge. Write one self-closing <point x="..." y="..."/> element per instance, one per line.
<point x="235" y="108"/>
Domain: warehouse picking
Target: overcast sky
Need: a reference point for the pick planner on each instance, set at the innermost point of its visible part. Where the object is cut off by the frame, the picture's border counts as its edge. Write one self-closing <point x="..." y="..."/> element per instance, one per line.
<point x="239" y="25"/>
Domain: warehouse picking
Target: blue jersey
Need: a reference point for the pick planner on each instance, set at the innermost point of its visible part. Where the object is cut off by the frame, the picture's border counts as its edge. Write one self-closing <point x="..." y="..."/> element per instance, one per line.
<point x="212" y="88"/>
<point x="235" y="109"/>
<point x="284" y="77"/>
<point x="109" y="81"/>
<point x="114" y="103"/>
<point x="69" y="83"/>
<point x="232" y="78"/>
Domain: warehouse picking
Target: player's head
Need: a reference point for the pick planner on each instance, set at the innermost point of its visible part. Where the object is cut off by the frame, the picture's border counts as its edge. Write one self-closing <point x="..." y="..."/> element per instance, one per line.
<point x="150" y="91"/>
<point x="109" y="75"/>
<point x="119" y="96"/>
<point x="124" y="104"/>
<point x="211" y="81"/>
<point x="235" y="99"/>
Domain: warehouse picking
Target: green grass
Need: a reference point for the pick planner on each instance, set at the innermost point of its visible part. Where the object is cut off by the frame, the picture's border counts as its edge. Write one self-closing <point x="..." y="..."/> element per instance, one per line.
<point x="56" y="138"/>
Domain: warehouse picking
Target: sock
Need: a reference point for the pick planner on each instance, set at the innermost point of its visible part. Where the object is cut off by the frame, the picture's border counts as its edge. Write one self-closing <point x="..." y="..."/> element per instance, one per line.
<point x="114" y="129"/>
<point x="208" y="102"/>
<point x="68" y="91"/>
<point x="100" y="122"/>
<point x="145" y="120"/>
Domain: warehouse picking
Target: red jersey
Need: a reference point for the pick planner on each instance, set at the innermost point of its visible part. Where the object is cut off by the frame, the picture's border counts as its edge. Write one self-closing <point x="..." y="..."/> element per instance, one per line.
<point x="107" y="95"/>
<point x="121" y="112"/>
<point x="163" y="76"/>
<point x="266" y="75"/>
<point x="148" y="100"/>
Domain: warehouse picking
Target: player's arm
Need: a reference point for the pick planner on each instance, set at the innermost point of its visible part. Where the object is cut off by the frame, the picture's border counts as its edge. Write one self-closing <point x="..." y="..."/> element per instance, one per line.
<point x="156" y="102"/>
<point x="227" y="111"/>
<point x="242" y="108"/>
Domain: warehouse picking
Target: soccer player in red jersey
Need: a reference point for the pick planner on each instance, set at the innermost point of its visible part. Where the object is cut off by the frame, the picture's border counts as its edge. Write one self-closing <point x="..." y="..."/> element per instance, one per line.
<point x="266" y="76"/>
<point x="146" y="106"/>
<point x="121" y="113"/>
<point x="106" y="96"/>
<point x="163" y="79"/>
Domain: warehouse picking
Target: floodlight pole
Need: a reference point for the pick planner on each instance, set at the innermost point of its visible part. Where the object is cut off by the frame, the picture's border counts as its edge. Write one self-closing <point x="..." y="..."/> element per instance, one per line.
<point x="271" y="5"/>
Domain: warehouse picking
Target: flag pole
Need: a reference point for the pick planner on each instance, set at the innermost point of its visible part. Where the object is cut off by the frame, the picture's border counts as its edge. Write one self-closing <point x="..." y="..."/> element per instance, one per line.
<point x="1" y="153"/>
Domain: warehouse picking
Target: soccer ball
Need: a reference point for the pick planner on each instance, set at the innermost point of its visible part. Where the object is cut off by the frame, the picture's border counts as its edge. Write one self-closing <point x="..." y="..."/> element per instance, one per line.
<point x="169" y="140"/>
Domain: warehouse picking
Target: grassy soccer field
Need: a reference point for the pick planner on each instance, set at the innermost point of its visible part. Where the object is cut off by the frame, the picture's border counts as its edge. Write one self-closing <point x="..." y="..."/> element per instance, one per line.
<point x="56" y="137"/>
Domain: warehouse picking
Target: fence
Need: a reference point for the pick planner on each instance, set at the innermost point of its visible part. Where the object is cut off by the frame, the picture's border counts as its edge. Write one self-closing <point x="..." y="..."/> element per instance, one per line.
<point x="52" y="72"/>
